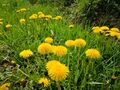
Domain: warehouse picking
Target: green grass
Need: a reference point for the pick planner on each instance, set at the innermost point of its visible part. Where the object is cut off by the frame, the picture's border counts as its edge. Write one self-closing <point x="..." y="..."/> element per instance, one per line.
<point x="82" y="76"/>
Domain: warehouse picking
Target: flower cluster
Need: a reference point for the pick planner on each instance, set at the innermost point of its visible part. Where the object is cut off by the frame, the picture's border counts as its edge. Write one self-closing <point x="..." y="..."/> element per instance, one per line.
<point x="77" y="42"/>
<point x="57" y="71"/>
<point x="41" y="15"/>
<point x="58" y="18"/>
<point x="21" y="10"/>
<point x="113" y="32"/>
<point x="46" y="48"/>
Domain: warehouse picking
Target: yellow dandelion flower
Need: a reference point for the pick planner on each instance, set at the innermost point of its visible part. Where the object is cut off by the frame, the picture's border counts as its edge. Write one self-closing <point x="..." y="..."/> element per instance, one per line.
<point x="51" y="63"/>
<point x="1" y="23"/>
<point x="113" y="33"/>
<point x="48" y="16"/>
<point x="45" y="48"/>
<point x="8" y="26"/>
<point x="18" y="11"/>
<point x="39" y="13"/>
<point x="1" y="19"/>
<point x="26" y="54"/>
<point x="22" y="21"/>
<point x="71" y="26"/>
<point x="80" y="42"/>
<point x="33" y="16"/>
<point x="58" y="18"/>
<point x="92" y="53"/>
<point x="44" y="81"/>
<point x="5" y="86"/>
<point x="41" y="16"/>
<point x="118" y="37"/>
<point x="48" y="40"/>
<point x="60" y="51"/>
<point x="23" y="9"/>
<point x="58" y="71"/>
<point x="53" y="48"/>
<point x="104" y="28"/>
<point x="69" y="43"/>
<point x="114" y="29"/>
<point x="97" y="30"/>
<point x="118" y="34"/>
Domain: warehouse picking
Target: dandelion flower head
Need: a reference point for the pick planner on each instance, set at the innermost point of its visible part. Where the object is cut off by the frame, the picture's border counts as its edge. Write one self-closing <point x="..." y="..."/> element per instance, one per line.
<point x="104" y="28"/>
<point x="113" y="33"/>
<point x="48" y="40"/>
<point x="114" y="29"/>
<point x="50" y="64"/>
<point x="69" y="43"/>
<point x="48" y="16"/>
<point x="1" y="19"/>
<point x="44" y="48"/>
<point x="92" y="53"/>
<point x="58" y="71"/>
<point x="8" y="26"/>
<point x="22" y="21"/>
<point x="21" y="10"/>
<point x="60" y="50"/>
<point x="44" y="81"/>
<point x="26" y="54"/>
<point x="33" y="17"/>
<point x="58" y="18"/>
<point x="1" y="23"/>
<point x="80" y="42"/>
<point x="96" y="29"/>
<point x="5" y="86"/>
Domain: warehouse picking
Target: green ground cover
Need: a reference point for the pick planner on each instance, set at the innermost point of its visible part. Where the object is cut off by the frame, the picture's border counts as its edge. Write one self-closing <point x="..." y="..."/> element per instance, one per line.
<point x="85" y="73"/>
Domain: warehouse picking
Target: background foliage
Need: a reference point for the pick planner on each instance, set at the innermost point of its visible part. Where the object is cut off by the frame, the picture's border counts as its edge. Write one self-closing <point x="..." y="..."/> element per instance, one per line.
<point x="95" y="12"/>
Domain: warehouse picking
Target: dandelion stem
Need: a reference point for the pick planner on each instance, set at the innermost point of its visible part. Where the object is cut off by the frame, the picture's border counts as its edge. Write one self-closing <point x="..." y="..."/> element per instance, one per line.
<point x="68" y="63"/>
<point x="84" y="79"/>
<point x="78" y="61"/>
<point x="58" y="85"/>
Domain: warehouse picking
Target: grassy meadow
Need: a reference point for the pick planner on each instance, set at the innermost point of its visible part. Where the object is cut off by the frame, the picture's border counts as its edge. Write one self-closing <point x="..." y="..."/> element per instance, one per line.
<point x="43" y="29"/>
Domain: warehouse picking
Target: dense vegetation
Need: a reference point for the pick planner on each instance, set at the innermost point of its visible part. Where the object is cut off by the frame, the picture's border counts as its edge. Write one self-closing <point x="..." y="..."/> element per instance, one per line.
<point x="84" y="57"/>
<point x="94" y="12"/>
